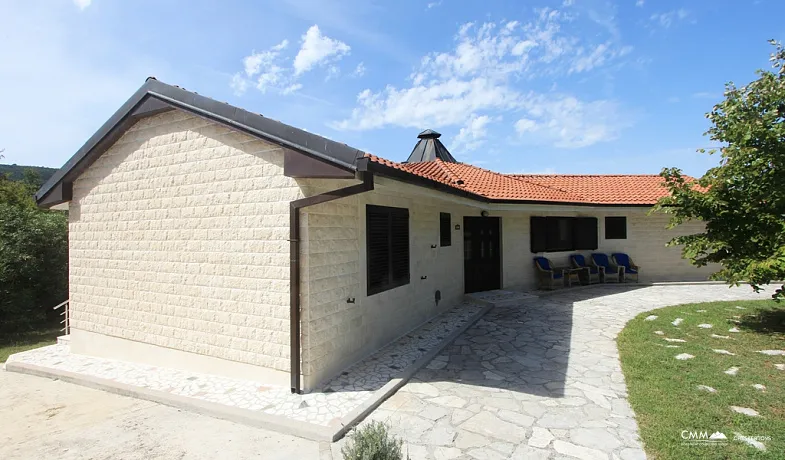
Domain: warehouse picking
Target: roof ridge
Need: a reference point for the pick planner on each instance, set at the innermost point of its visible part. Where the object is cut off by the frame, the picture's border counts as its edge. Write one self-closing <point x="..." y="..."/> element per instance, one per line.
<point x="568" y="192"/>
<point x="450" y="174"/>
<point x="581" y="175"/>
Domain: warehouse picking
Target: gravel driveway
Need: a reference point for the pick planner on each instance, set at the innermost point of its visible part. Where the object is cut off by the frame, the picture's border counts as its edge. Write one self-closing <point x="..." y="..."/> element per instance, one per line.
<point x="46" y="419"/>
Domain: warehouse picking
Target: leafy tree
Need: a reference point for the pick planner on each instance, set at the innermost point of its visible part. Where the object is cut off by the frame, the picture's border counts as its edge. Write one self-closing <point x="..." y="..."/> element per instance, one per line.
<point x="33" y="256"/>
<point x="742" y="200"/>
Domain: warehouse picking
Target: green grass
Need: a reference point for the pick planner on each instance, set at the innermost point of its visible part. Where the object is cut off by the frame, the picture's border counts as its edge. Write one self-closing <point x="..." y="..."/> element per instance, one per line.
<point x="15" y="343"/>
<point x="662" y="390"/>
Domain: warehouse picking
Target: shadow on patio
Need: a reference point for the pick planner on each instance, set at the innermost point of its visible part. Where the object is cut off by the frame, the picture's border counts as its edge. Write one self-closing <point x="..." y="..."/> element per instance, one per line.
<point x="522" y="349"/>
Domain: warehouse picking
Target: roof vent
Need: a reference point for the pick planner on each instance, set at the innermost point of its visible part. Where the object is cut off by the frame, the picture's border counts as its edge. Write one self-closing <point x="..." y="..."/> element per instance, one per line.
<point x="430" y="148"/>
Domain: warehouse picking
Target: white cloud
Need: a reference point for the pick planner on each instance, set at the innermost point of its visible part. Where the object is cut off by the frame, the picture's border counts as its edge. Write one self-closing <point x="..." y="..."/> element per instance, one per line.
<point x="433" y="4"/>
<point x="481" y="78"/>
<point x="291" y="88"/>
<point x="667" y="19"/>
<point x="567" y="122"/>
<point x="82" y="4"/>
<point x="639" y="3"/>
<point x="359" y="71"/>
<point x="263" y="70"/>
<point x="473" y="134"/>
<point x="317" y="49"/>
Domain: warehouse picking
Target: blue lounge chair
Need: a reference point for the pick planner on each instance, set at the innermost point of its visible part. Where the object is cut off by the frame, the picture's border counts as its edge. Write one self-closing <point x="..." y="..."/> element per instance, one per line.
<point x="624" y="260"/>
<point x="610" y="270"/>
<point x="546" y="275"/>
<point x="592" y="272"/>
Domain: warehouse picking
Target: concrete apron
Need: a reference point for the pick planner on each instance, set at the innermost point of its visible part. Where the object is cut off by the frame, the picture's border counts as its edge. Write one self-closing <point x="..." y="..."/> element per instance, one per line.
<point x="249" y="417"/>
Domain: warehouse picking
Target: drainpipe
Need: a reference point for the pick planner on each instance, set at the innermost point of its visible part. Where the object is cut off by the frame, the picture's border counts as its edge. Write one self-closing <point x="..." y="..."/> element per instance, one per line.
<point x="294" y="266"/>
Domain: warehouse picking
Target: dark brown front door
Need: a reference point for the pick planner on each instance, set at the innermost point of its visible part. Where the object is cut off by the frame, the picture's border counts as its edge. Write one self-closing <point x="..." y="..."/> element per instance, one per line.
<point x="481" y="253"/>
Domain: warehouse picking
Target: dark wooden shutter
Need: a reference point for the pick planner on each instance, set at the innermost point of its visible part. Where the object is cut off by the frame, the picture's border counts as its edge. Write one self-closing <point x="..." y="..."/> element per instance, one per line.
<point x="378" y="254"/>
<point x="584" y="233"/>
<point x="399" y="246"/>
<point x="445" y="229"/>
<point x="387" y="243"/>
<point x="539" y="235"/>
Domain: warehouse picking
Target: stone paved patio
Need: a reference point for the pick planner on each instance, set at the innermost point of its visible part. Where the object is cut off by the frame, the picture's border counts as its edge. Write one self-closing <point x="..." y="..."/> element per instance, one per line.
<point x="537" y="382"/>
<point x="344" y="394"/>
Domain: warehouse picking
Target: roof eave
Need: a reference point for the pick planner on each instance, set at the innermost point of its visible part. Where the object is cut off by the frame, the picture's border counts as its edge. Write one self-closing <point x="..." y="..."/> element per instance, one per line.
<point x="167" y="97"/>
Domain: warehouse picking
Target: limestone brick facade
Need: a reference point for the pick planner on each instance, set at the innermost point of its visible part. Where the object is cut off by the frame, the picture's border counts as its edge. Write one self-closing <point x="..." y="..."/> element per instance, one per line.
<point x="178" y="237"/>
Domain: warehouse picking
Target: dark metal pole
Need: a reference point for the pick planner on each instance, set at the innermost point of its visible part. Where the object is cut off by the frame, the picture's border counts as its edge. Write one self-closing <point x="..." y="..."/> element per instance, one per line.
<point x="294" y="264"/>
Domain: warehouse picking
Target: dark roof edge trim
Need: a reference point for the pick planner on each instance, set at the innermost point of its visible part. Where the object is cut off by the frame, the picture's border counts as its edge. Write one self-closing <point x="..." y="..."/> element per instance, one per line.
<point x="250" y="130"/>
<point x="414" y="179"/>
<point x="234" y="117"/>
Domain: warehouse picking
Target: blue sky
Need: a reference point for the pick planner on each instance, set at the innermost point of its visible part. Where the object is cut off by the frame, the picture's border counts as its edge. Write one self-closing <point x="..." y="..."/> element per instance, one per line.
<point x="567" y="86"/>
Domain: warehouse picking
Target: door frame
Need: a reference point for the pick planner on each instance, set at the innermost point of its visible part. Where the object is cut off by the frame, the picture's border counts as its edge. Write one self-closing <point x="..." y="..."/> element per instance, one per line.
<point x="501" y="249"/>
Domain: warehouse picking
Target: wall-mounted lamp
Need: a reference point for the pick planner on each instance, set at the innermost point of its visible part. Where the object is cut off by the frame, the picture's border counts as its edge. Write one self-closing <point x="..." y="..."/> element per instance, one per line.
<point x="433" y="246"/>
<point x="350" y="300"/>
<point x="457" y="226"/>
<point x="484" y="214"/>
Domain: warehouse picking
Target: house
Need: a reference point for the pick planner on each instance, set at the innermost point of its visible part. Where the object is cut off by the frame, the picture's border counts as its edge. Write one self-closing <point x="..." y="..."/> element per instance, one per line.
<point x="209" y="238"/>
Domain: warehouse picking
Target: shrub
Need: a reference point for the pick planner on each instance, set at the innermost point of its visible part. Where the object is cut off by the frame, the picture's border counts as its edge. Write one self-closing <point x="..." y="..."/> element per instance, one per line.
<point x="373" y="442"/>
<point x="33" y="259"/>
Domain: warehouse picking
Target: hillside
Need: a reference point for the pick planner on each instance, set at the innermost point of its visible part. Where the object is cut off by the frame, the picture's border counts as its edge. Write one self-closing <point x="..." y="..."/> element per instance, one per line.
<point x="16" y="171"/>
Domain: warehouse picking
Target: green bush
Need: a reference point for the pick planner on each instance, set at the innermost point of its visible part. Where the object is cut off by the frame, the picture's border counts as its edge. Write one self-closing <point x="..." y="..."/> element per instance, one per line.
<point x="373" y="442"/>
<point x="33" y="258"/>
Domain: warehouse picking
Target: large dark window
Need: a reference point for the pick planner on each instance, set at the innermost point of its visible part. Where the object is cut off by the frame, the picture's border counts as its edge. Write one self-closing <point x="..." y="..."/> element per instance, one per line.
<point x="551" y="234"/>
<point x="445" y="229"/>
<point x="615" y="228"/>
<point x="387" y="235"/>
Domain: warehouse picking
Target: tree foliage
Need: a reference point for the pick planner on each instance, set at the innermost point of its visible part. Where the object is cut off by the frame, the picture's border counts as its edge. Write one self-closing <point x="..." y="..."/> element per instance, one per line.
<point x="742" y="200"/>
<point x="33" y="256"/>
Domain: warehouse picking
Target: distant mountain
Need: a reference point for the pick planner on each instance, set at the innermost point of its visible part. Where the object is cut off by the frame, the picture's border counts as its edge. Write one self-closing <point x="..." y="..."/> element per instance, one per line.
<point x="17" y="171"/>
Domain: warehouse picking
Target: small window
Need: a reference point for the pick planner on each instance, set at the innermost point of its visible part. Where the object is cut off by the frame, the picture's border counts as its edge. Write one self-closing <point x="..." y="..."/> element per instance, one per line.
<point x="387" y="238"/>
<point x="615" y="228"/>
<point x="445" y="229"/>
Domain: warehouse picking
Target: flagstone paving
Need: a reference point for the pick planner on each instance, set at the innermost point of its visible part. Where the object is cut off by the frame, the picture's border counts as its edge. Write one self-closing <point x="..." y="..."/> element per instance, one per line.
<point x="536" y="382"/>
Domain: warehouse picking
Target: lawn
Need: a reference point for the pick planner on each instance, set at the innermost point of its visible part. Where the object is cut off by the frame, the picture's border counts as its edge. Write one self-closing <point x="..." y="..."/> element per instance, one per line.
<point x="664" y="391"/>
<point x="14" y="343"/>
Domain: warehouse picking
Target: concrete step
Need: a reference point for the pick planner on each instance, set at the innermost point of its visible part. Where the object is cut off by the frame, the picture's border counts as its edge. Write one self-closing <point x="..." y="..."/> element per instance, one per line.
<point x="64" y="340"/>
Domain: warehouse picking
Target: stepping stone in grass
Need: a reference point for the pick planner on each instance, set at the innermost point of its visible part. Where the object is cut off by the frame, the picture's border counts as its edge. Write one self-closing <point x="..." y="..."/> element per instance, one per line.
<point x="780" y="366"/>
<point x="650" y="318"/>
<point x="671" y="346"/>
<point x="659" y="332"/>
<point x="676" y="340"/>
<point x="700" y="311"/>
<point x="724" y="352"/>
<point x="740" y="308"/>
<point x="684" y="356"/>
<point x="773" y="352"/>
<point x="677" y="321"/>
<point x="734" y="329"/>
<point x="704" y="326"/>
<point x="706" y="388"/>
<point x="715" y="336"/>
<point x="750" y="441"/>
<point x="759" y="387"/>
<point x="732" y="371"/>
<point x="745" y="411"/>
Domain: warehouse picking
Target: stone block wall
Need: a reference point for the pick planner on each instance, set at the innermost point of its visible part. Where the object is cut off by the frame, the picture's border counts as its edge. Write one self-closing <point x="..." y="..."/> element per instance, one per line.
<point x="178" y="237"/>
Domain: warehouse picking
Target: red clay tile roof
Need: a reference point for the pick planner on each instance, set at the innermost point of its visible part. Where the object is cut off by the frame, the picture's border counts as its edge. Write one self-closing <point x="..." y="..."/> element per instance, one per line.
<point x="642" y="190"/>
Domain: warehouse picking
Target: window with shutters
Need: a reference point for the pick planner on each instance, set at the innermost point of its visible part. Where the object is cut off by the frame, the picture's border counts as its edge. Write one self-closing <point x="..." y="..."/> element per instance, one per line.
<point x="387" y="238"/>
<point x="552" y="234"/>
<point x="445" y="230"/>
<point x="615" y="228"/>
